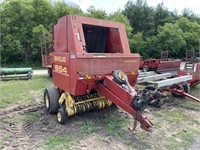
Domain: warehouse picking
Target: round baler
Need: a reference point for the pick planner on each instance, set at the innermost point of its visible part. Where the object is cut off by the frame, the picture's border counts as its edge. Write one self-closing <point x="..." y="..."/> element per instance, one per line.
<point x="92" y="67"/>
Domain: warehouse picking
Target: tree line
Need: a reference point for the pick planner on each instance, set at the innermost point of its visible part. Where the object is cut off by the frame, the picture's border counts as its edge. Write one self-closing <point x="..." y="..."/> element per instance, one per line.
<point x="149" y="29"/>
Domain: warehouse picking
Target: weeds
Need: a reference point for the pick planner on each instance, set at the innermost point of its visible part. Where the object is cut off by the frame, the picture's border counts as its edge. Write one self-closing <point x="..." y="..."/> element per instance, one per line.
<point x="114" y="124"/>
<point x="32" y="117"/>
<point x="60" y="142"/>
<point x="22" y="91"/>
<point x="1" y="145"/>
<point x="89" y="127"/>
<point x="176" y="115"/>
<point x="182" y="139"/>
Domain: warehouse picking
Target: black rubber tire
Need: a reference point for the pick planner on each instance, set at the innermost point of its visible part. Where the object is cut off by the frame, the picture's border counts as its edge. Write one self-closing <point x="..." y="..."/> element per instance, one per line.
<point x="186" y="89"/>
<point x="117" y="79"/>
<point x="63" y="116"/>
<point x="150" y="87"/>
<point x="155" y="102"/>
<point x="51" y="97"/>
<point x="145" y="68"/>
<point x="49" y="72"/>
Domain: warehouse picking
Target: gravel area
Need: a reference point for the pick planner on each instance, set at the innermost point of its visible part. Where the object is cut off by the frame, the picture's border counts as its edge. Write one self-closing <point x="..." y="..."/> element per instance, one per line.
<point x="38" y="72"/>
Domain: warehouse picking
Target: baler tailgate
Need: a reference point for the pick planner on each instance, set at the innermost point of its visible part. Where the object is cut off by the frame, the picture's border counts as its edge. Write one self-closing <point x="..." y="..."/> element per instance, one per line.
<point x="106" y="63"/>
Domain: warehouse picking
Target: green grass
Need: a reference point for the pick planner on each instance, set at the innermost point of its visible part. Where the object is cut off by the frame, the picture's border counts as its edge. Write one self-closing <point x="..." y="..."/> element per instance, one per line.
<point x="158" y="125"/>
<point x="187" y="137"/>
<point x="1" y="145"/>
<point x="195" y="90"/>
<point x="32" y="117"/>
<point x="16" y="118"/>
<point x="176" y="115"/>
<point x="26" y="117"/>
<point x="23" y="91"/>
<point x="114" y="125"/>
<point x="189" y="104"/>
<point x="182" y="139"/>
<point x="88" y="126"/>
<point x="60" y="142"/>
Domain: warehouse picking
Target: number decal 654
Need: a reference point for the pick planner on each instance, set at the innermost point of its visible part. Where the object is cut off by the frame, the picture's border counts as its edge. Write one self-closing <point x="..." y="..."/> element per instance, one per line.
<point x="61" y="69"/>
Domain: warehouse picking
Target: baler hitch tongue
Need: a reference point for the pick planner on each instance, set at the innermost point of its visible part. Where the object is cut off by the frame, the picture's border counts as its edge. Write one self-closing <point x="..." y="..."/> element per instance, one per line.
<point x="139" y="101"/>
<point x="147" y="125"/>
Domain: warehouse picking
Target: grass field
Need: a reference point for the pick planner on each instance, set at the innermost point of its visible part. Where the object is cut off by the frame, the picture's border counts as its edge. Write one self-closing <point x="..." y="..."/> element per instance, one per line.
<point x="14" y="92"/>
<point x="175" y="124"/>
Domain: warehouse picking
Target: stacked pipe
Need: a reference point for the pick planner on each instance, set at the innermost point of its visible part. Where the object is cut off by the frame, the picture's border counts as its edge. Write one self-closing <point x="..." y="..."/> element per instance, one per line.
<point x="15" y="73"/>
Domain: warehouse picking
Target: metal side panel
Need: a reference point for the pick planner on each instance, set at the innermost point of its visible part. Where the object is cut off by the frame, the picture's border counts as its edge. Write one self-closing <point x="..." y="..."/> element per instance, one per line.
<point x="145" y="74"/>
<point x="172" y="81"/>
<point x="154" y="77"/>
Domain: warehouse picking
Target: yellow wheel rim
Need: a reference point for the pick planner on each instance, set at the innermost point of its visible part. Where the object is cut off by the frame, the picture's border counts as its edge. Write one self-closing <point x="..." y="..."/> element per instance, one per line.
<point x="59" y="116"/>
<point x="47" y="101"/>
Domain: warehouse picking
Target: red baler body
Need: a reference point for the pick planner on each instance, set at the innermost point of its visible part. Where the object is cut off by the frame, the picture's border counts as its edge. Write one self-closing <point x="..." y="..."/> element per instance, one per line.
<point x="85" y="50"/>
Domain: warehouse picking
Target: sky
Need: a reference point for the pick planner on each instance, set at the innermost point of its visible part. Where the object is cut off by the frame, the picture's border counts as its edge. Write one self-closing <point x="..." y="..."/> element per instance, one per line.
<point x="113" y="5"/>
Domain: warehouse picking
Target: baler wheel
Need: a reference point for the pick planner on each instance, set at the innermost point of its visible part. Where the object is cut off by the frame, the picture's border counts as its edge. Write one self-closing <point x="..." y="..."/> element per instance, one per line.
<point x="49" y="72"/>
<point x="51" y="96"/>
<point x="120" y="77"/>
<point x="185" y="87"/>
<point x="61" y="116"/>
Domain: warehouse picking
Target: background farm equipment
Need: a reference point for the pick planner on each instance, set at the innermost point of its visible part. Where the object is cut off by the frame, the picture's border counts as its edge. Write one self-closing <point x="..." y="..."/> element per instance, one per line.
<point x="178" y="84"/>
<point x="15" y="73"/>
<point x="161" y="65"/>
<point x="46" y="49"/>
<point x="192" y="67"/>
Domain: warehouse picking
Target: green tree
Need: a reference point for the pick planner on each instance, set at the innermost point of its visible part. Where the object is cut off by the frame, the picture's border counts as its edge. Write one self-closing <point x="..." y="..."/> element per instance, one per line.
<point x="16" y="27"/>
<point x="119" y="17"/>
<point x="170" y="37"/>
<point x="96" y="13"/>
<point x="62" y="9"/>
<point x="138" y="44"/>
<point x="189" y="14"/>
<point x="162" y="16"/>
<point x="141" y="17"/>
<point x="23" y="22"/>
<point x="191" y="35"/>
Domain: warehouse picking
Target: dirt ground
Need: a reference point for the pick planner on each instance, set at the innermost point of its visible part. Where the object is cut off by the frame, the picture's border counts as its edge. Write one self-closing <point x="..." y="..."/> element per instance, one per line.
<point x="29" y="127"/>
<point x="24" y="124"/>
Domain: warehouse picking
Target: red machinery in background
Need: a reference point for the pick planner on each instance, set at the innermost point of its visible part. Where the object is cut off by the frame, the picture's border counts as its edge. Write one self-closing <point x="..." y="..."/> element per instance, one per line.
<point x="46" y="49"/>
<point x="161" y="65"/>
<point x="178" y="83"/>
